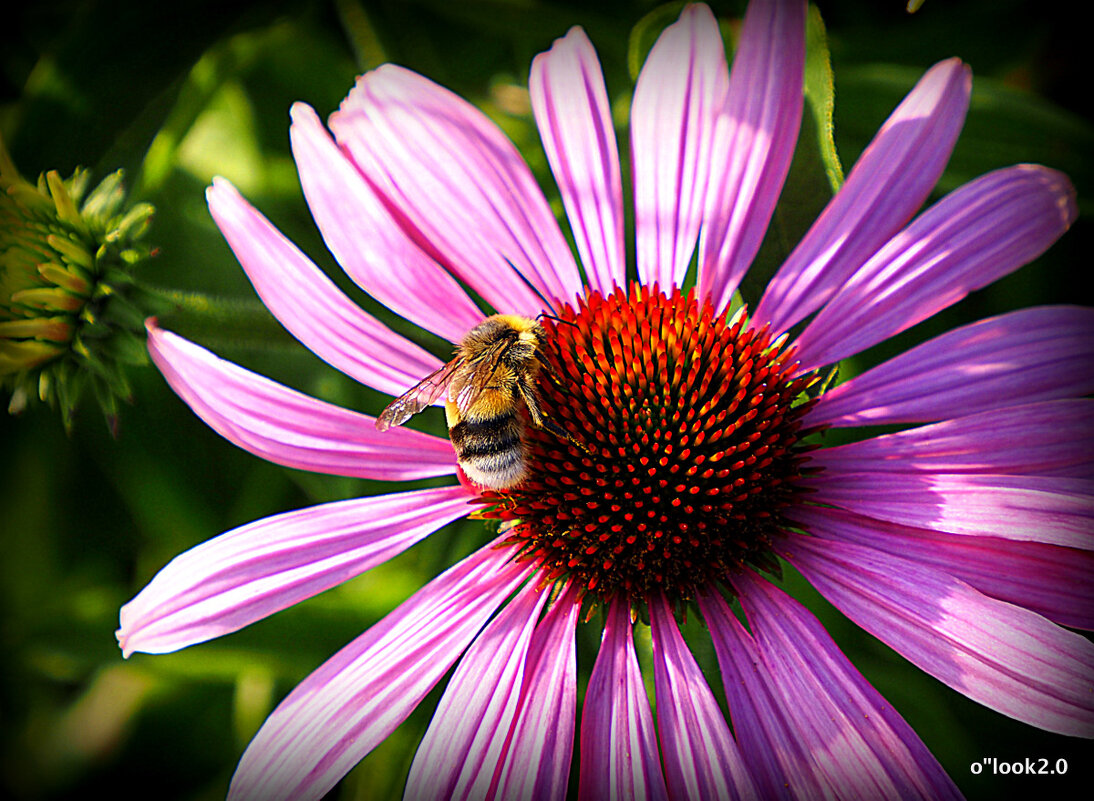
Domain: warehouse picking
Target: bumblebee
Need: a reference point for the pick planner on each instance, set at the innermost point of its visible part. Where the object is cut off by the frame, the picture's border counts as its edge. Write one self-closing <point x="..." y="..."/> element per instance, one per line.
<point x="493" y="374"/>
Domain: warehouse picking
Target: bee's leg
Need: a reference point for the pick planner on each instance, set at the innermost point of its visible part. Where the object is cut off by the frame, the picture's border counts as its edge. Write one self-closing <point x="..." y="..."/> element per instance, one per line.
<point x="545" y="369"/>
<point x="539" y="421"/>
<point x="555" y="428"/>
<point x="531" y="403"/>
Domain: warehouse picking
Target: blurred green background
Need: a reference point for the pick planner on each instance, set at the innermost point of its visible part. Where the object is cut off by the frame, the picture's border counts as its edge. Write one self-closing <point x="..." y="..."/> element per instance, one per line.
<point x="177" y="93"/>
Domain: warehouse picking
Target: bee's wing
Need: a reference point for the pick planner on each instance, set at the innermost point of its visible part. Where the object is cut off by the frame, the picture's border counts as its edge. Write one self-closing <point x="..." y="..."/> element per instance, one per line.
<point x="418" y="397"/>
<point x="469" y="383"/>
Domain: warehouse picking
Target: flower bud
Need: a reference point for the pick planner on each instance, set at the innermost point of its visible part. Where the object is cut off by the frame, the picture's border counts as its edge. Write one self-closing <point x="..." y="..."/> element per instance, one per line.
<point x="70" y="313"/>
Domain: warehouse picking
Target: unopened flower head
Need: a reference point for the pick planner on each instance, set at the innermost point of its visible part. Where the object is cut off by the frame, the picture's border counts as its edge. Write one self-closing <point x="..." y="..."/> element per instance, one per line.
<point x="681" y="460"/>
<point x="68" y="321"/>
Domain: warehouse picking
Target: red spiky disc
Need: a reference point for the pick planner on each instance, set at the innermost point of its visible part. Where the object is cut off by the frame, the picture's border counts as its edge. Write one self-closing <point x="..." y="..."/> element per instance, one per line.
<point x="684" y="446"/>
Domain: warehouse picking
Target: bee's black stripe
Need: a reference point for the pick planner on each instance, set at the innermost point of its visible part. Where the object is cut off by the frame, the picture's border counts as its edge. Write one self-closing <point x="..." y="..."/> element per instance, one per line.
<point x="488" y="437"/>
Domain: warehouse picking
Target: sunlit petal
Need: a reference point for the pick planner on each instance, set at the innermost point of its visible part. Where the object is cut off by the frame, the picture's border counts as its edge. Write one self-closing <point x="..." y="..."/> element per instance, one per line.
<point x="1051" y="580"/>
<point x="1053" y="438"/>
<point x="462" y="746"/>
<point x="970" y="238"/>
<point x="701" y="759"/>
<point x="263" y="567"/>
<point x="288" y="427"/>
<point x="884" y="189"/>
<point x="856" y="738"/>
<point x="1003" y="656"/>
<point x="360" y="695"/>
<point x="309" y="304"/>
<point x="1058" y="511"/>
<point x="460" y="183"/>
<point x="778" y="758"/>
<point x="570" y="102"/>
<point x="368" y="242"/>
<point x="1032" y="354"/>
<point x="537" y="759"/>
<point x="619" y="758"/>
<point x="753" y="143"/>
<point x="679" y="95"/>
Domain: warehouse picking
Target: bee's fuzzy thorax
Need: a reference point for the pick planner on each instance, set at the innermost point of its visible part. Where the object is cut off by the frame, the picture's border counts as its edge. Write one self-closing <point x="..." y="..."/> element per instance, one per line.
<point x="490" y="393"/>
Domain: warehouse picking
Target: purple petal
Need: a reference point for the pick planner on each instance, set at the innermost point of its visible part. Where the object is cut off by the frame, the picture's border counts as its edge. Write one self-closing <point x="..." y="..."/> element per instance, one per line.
<point x="366" y="240"/>
<point x="537" y="759"/>
<point x="887" y="185"/>
<point x="310" y="306"/>
<point x="360" y="695"/>
<point x="858" y="741"/>
<point x="463" y="745"/>
<point x="753" y="144"/>
<point x="769" y="743"/>
<point x="255" y="570"/>
<point x="680" y="93"/>
<point x="289" y="428"/>
<point x="1000" y="655"/>
<point x="1024" y="356"/>
<point x="1057" y="511"/>
<point x="619" y="759"/>
<point x="1053" y="438"/>
<point x="462" y="186"/>
<point x="571" y="106"/>
<point x="701" y="759"/>
<point x="975" y="235"/>
<point x="1048" y="579"/>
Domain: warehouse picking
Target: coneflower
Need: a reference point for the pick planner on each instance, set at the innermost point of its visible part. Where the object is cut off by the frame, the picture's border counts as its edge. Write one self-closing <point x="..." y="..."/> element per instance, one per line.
<point x="693" y="462"/>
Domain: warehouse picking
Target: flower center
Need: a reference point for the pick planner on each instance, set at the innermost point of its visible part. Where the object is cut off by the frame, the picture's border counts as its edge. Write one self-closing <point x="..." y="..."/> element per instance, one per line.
<point x="684" y="446"/>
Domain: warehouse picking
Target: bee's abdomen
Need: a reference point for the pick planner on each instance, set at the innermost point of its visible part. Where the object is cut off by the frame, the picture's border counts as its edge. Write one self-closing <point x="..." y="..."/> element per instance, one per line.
<point x="490" y="450"/>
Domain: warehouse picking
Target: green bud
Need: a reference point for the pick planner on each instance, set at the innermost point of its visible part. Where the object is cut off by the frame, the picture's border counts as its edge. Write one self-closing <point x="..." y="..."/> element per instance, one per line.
<point x="70" y="317"/>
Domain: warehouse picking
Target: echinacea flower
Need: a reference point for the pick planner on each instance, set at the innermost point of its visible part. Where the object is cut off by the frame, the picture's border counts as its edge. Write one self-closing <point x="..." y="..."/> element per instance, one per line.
<point x="692" y="462"/>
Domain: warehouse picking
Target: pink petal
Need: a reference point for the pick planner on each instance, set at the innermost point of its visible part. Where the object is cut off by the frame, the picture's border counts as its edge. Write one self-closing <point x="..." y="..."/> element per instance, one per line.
<point x="287" y="427"/>
<point x="1057" y="511"/>
<point x="1005" y="657"/>
<point x="571" y="106"/>
<point x="972" y="237"/>
<point x="360" y="695"/>
<point x="1051" y="580"/>
<point x="537" y="759"/>
<point x="619" y="759"/>
<point x="887" y="185"/>
<point x="463" y="745"/>
<point x="368" y="242"/>
<point x="858" y="741"/>
<point x="753" y="144"/>
<point x="1028" y="355"/>
<point x="1053" y="438"/>
<point x="255" y="570"/>
<point x="310" y="306"/>
<point x="680" y="93"/>
<point x="700" y="756"/>
<point x="770" y="745"/>
<point x="461" y="185"/>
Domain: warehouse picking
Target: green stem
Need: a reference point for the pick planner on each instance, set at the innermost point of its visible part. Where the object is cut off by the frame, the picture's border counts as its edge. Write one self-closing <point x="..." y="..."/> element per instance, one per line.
<point x="218" y="321"/>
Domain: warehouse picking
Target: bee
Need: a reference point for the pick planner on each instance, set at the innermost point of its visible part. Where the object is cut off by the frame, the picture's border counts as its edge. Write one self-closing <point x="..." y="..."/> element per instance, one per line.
<point x="493" y="374"/>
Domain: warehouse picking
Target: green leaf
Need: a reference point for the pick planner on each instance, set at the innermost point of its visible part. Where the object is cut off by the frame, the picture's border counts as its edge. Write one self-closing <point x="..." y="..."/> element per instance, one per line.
<point x="820" y="95"/>
<point x="645" y="33"/>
